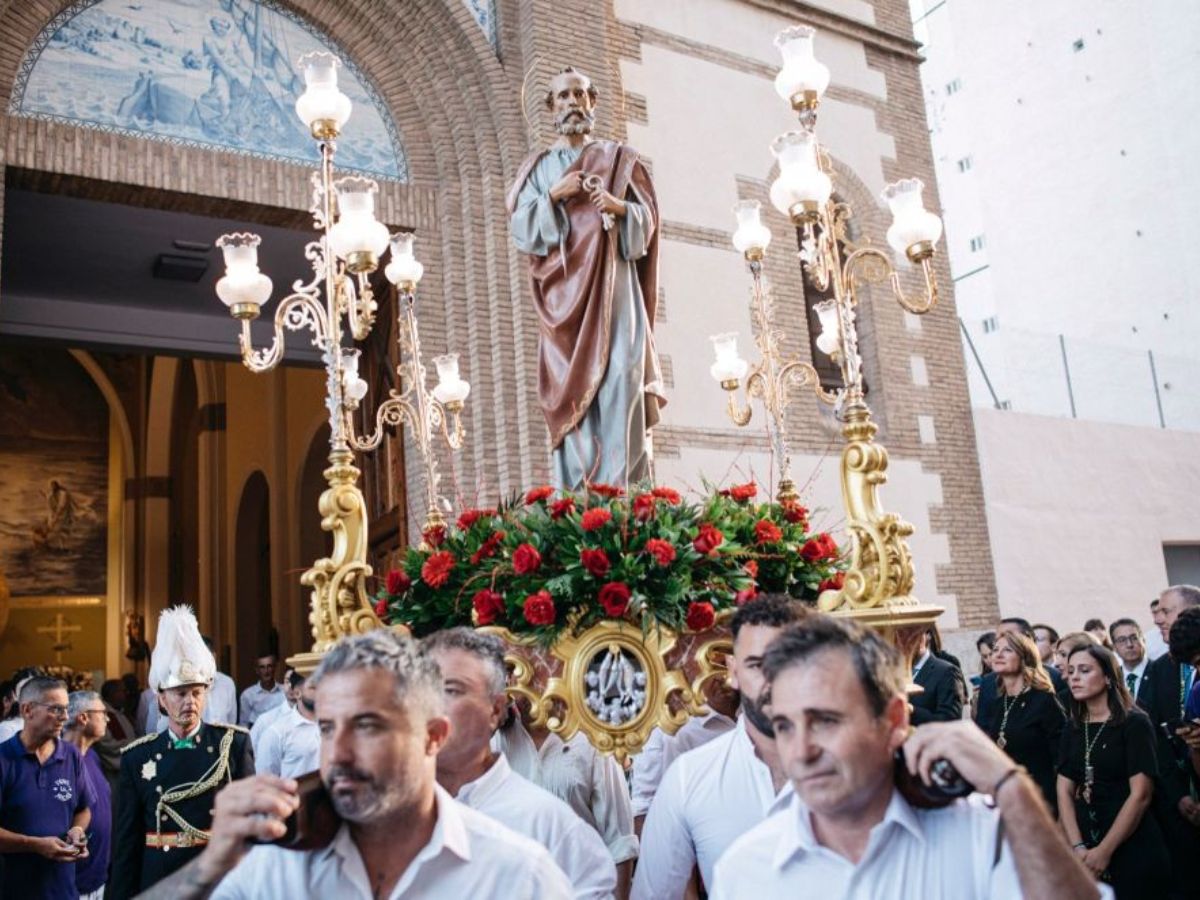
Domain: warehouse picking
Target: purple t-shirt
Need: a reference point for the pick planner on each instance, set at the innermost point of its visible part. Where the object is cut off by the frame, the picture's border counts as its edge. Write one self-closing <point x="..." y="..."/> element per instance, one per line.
<point x="1192" y="708"/>
<point x="93" y="871"/>
<point x="40" y="800"/>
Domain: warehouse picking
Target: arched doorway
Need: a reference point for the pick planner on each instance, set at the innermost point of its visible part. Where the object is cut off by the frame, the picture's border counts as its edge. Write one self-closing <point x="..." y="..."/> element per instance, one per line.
<point x="254" y="631"/>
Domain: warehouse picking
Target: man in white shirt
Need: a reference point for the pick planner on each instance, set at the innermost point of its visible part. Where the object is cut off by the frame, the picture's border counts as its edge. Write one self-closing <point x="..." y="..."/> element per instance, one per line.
<point x="291" y="746"/>
<point x="380" y="711"/>
<point x="263" y="694"/>
<point x="474" y="677"/>
<point x="1130" y="645"/>
<point x="712" y="795"/>
<point x="292" y="682"/>
<point x="838" y="707"/>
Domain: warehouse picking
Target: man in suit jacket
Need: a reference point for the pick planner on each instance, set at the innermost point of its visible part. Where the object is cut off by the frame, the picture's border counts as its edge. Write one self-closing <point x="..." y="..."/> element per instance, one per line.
<point x="943" y="688"/>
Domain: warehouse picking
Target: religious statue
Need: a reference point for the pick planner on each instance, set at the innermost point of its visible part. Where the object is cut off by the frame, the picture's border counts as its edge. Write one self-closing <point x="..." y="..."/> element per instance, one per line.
<point x="584" y="211"/>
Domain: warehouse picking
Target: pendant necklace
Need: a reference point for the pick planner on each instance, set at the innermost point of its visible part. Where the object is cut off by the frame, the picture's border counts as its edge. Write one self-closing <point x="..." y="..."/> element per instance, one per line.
<point x="1089" y="773"/>
<point x="1001" y="741"/>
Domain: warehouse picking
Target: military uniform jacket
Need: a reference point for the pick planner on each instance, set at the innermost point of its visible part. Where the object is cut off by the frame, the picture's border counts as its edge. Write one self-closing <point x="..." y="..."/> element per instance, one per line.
<point x="164" y="802"/>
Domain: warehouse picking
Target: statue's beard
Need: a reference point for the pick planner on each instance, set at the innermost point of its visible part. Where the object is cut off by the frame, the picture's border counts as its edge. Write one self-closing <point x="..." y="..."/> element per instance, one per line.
<point x="574" y="121"/>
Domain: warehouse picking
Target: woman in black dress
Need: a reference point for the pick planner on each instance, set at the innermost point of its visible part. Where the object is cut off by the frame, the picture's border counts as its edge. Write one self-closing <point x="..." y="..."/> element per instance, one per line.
<point x="1028" y="721"/>
<point x="1105" y="780"/>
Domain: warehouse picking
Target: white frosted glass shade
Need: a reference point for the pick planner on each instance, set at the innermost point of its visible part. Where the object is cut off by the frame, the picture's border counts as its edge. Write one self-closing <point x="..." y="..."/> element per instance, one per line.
<point x="911" y="222"/>
<point x="729" y="366"/>
<point x="357" y="230"/>
<point x="243" y="284"/>
<point x="321" y="100"/>
<point x="450" y="389"/>
<point x="801" y="72"/>
<point x="829" y="340"/>
<point x="354" y="386"/>
<point x="800" y="177"/>
<point x="403" y="269"/>
<point x="751" y="236"/>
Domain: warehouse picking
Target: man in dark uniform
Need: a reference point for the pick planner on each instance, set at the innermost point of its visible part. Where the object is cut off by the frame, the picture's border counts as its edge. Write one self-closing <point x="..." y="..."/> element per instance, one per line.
<point x="169" y="781"/>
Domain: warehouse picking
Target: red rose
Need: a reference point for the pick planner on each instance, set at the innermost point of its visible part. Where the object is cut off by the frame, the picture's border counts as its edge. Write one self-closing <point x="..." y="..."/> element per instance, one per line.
<point x="745" y="491"/>
<point x="398" y="581"/>
<point x="669" y="494"/>
<point x="708" y="540"/>
<point x="643" y="506"/>
<point x="526" y="559"/>
<point x="744" y="597"/>
<point x="834" y="582"/>
<point x="606" y="490"/>
<point x="614" y="597"/>
<point x="537" y="494"/>
<point x="489" y="606"/>
<point x="820" y="548"/>
<point x="595" y="561"/>
<point x="487" y="548"/>
<point x="539" y="608"/>
<point x="662" y="551"/>
<point x="595" y="518"/>
<point x="767" y="532"/>
<point x="381" y="607"/>
<point x="436" y="570"/>
<point x="751" y="568"/>
<point x="435" y="536"/>
<point x="470" y="516"/>
<point x="563" y="507"/>
<point x="700" y="616"/>
<point x="795" y="513"/>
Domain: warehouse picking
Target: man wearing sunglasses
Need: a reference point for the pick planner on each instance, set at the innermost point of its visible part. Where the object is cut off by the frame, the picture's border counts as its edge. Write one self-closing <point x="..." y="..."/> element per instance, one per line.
<point x="45" y="797"/>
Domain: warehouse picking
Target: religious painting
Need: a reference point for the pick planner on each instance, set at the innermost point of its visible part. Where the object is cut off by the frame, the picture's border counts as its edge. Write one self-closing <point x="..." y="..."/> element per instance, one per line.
<point x="54" y="481"/>
<point x="206" y="73"/>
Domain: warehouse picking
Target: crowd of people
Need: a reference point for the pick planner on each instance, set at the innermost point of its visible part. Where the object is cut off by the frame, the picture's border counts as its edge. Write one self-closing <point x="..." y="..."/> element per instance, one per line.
<point x="400" y="768"/>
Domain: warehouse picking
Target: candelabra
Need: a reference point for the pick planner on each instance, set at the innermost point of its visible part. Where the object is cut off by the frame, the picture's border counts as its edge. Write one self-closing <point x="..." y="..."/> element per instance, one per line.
<point x="880" y="574"/>
<point x="342" y="259"/>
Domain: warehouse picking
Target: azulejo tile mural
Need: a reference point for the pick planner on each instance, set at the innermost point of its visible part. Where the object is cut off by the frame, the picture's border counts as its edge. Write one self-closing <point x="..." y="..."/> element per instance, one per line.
<point x="208" y="73"/>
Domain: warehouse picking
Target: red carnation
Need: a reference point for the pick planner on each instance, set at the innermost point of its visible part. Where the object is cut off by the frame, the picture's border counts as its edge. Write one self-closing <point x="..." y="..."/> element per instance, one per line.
<point x="662" y="551"/>
<point x="834" y="582"/>
<point x="745" y="596"/>
<point x="595" y="561"/>
<point x="708" y="540"/>
<point x="489" y="606"/>
<point x="669" y="494"/>
<point x="614" y="597"/>
<point x="381" y="607"/>
<point x="595" y="518"/>
<point x="795" y="513"/>
<point x="606" y="490"/>
<point x="745" y="491"/>
<point x="398" y="581"/>
<point x="434" y="537"/>
<point x="526" y="559"/>
<point x="537" y="494"/>
<point x="751" y="568"/>
<point x="436" y="570"/>
<point x="470" y="516"/>
<point x="563" y="507"/>
<point x="819" y="548"/>
<point x="767" y="532"/>
<point x="539" y="608"/>
<point x="487" y="548"/>
<point x="643" y="506"/>
<point x="700" y="616"/>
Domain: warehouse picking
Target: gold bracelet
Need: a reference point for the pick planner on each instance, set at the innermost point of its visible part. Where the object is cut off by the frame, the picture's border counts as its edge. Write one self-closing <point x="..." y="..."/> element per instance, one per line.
<point x="1015" y="770"/>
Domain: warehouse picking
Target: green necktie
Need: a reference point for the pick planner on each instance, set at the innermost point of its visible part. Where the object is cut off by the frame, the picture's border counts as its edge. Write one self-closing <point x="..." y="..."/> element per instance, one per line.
<point x="1131" y="681"/>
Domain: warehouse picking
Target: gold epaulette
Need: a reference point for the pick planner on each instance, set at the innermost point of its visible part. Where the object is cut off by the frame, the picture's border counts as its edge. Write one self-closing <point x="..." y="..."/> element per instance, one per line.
<point x="145" y="739"/>
<point x="240" y="728"/>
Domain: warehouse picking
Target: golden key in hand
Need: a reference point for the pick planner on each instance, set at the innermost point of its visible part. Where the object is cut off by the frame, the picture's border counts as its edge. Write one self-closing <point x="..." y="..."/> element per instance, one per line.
<point x="592" y="183"/>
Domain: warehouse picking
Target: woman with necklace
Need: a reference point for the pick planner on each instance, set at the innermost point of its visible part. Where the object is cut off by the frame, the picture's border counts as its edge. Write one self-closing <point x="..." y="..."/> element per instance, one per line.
<point x="1106" y="769"/>
<point x="1027" y="722"/>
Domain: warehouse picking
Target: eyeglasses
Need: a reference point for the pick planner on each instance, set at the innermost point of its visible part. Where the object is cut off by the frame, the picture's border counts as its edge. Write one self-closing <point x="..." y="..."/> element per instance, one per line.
<point x="1128" y="640"/>
<point x="96" y="712"/>
<point x="56" y="709"/>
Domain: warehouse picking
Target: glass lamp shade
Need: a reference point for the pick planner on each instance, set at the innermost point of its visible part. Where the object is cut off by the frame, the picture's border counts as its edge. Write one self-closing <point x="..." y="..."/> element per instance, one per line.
<point x="751" y="237"/>
<point x="829" y="340"/>
<point x="802" y="80"/>
<point x="914" y="228"/>
<point x="322" y="107"/>
<point x="403" y="271"/>
<point x="451" y="390"/>
<point x="357" y="231"/>
<point x="729" y="367"/>
<point x="243" y="288"/>
<point x="801" y="185"/>
<point x="354" y="387"/>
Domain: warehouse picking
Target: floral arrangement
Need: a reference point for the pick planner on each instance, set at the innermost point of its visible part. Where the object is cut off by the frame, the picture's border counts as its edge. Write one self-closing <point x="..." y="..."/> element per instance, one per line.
<point x="550" y="561"/>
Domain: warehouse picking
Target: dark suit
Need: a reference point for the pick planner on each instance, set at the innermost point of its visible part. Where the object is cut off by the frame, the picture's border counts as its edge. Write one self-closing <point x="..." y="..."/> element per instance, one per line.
<point x="941" y="699"/>
<point x="151" y="769"/>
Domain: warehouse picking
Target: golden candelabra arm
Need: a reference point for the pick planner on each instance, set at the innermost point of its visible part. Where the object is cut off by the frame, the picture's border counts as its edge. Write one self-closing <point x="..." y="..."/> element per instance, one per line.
<point x="871" y="265"/>
<point x="295" y="312"/>
<point x="360" y="305"/>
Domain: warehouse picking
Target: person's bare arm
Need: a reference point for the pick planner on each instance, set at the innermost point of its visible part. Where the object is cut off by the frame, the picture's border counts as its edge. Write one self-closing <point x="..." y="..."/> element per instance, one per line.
<point x="624" y="879"/>
<point x="1141" y="788"/>
<point x="52" y="848"/>
<point x="1046" y="867"/>
<point x="1065" y="788"/>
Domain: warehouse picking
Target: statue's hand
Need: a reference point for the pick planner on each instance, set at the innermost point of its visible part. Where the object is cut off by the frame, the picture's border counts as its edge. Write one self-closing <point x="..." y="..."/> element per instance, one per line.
<point x="607" y="203"/>
<point x="567" y="186"/>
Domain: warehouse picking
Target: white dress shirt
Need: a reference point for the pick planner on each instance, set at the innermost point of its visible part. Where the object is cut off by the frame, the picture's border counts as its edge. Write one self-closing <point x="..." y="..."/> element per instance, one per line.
<point x="709" y="798"/>
<point x="1137" y="671"/>
<point x="147" y="712"/>
<point x="527" y="809"/>
<point x="913" y="854"/>
<point x="662" y="749"/>
<point x="256" y="701"/>
<point x="264" y="722"/>
<point x="291" y="747"/>
<point x="1155" y="645"/>
<point x="9" y="727"/>
<point x="591" y="783"/>
<point x="468" y="857"/>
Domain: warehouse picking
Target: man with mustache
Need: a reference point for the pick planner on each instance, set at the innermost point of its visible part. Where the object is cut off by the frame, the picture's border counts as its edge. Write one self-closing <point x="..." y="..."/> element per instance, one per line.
<point x="381" y="715"/>
<point x="584" y="211"/>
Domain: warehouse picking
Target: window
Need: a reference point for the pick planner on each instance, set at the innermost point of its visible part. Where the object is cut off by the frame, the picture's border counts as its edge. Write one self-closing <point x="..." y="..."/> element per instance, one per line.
<point x="1078" y="45"/>
<point x="978" y="243"/>
<point x="954" y="86"/>
<point x="964" y="164"/>
<point x="990" y="324"/>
